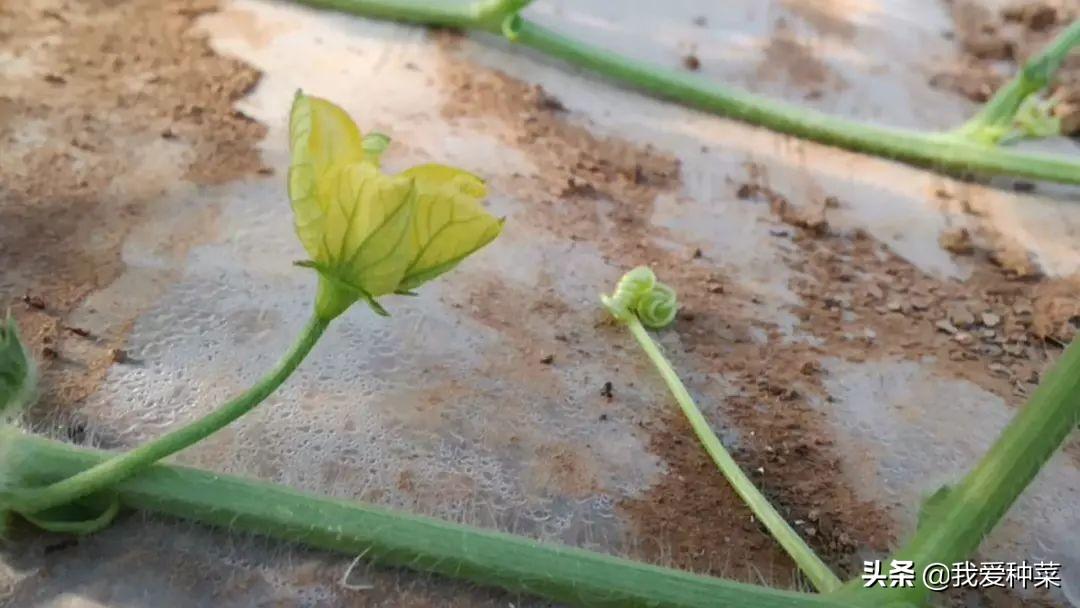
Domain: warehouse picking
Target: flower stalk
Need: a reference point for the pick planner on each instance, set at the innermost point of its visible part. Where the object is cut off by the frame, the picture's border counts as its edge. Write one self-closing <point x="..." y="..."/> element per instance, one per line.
<point x="637" y="297"/>
<point x="30" y="500"/>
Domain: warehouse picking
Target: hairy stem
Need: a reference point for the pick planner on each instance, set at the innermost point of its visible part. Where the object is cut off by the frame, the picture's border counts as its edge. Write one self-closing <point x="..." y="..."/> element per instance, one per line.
<point x="516" y="563"/>
<point x="480" y="14"/>
<point x="819" y="574"/>
<point x="936" y="150"/>
<point x="425" y="12"/>
<point x="942" y="151"/>
<point x="952" y="528"/>
<point x="122" y="466"/>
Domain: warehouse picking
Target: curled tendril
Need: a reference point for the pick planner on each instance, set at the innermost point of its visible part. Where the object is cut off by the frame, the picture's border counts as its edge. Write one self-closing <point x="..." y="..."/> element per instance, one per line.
<point x="634" y="284"/>
<point x="657" y="308"/>
<point x="639" y="293"/>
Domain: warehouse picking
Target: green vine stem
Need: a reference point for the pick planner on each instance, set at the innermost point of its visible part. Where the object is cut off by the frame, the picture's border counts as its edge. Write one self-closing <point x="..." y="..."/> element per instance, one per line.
<point x="942" y="151"/>
<point x="515" y="563"/>
<point x="956" y="520"/>
<point x="819" y="574"/>
<point x="105" y="474"/>
<point x="937" y="150"/>
<point x="996" y="117"/>
<point x="487" y="15"/>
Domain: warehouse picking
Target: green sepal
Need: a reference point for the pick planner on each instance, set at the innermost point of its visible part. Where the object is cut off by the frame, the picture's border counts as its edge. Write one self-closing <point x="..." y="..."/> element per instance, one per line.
<point x="374" y="145"/>
<point x="333" y="297"/>
<point x="378" y="308"/>
<point x="18" y="375"/>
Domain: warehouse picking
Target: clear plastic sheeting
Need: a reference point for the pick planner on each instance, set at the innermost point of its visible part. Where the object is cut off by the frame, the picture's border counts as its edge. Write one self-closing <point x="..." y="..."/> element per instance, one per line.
<point x="448" y="407"/>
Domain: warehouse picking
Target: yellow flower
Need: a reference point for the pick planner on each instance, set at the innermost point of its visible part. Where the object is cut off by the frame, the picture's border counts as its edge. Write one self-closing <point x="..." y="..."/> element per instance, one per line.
<point x="370" y="234"/>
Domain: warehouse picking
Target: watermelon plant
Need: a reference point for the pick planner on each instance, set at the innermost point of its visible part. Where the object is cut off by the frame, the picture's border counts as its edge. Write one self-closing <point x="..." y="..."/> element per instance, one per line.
<point x="970" y="148"/>
<point x="370" y="235"/>
<point x="640" y="301"/>
<point x="953" y="521"/>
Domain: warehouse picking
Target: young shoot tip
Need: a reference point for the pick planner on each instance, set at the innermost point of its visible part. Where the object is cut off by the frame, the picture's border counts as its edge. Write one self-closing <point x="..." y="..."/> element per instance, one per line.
<point x="639" y="294"/>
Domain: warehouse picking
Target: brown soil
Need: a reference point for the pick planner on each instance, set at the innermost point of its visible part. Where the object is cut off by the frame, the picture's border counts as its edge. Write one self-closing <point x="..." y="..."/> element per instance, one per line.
<point x="827" y="17"/>
<point x="566" y="468"/>
<point x="999" y="328"/>
<point x="995" y="45"/>
<point x="794" y="61"/>
<point x="86" y="94"/>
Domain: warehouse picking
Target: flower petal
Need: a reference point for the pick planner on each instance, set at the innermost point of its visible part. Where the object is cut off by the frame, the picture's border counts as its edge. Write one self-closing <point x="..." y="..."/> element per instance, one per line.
<point x="448" y="223"/>
<point x="366" y="225"/>
<point x="321" y="136"/>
